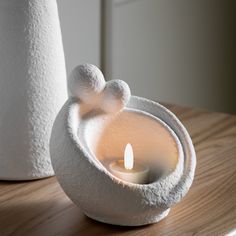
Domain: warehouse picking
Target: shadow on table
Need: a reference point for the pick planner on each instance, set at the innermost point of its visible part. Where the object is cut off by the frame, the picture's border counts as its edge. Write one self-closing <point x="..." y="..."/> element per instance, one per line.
<point x="107" y="229"/>
<point x="41" y="208"/>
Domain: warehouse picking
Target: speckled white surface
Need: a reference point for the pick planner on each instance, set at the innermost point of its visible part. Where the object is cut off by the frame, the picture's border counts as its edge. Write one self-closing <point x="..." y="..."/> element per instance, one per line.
<point x="86" y="82"/>
<point x="115" y="96"/>
<point x="32" y="86"/>
<point x="98" y="193"/>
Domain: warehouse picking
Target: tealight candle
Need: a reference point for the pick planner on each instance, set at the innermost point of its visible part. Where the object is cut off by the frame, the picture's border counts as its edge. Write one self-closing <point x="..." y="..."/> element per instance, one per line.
<point x="127" y="170"/>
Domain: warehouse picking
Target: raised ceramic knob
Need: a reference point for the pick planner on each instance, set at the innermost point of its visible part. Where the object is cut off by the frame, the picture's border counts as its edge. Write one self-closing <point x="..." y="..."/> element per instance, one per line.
<point x="115" y="96"/>
<point x="86" y="82"/>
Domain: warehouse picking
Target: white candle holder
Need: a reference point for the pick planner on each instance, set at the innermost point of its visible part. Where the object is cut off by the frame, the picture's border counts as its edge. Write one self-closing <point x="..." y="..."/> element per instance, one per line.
<point x="88" y="134"/>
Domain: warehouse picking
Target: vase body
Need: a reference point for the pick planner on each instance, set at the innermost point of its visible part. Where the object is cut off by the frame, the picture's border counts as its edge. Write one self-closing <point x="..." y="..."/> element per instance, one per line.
<point x="32" y="86"/>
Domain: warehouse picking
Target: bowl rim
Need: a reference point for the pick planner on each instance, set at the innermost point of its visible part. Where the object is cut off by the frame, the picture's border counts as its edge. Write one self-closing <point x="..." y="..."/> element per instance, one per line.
<point x="180" y="185"/>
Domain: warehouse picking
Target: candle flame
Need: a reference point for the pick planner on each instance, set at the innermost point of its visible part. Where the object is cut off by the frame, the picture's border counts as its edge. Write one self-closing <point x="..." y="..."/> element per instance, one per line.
<point x="128" y="157"/>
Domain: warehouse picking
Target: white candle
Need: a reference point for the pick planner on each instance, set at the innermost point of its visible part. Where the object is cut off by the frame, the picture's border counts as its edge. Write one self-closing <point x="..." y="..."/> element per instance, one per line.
<point x="126" y="169"/>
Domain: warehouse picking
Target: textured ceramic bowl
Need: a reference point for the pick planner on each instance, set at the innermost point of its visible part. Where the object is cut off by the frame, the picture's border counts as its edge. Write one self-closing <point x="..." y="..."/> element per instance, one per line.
<point x="79" y="140"/>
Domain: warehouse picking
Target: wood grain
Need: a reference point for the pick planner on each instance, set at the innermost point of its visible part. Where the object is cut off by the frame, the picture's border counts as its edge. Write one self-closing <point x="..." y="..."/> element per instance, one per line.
<point x="41" y="207"/>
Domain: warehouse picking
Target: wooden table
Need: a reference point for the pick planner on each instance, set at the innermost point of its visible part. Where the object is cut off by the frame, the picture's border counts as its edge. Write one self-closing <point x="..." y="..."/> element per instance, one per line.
<point x="41" y="207"/>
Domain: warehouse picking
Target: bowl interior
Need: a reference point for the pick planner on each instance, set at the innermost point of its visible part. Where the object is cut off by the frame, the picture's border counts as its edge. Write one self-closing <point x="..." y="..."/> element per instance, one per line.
<point x="153" y="143"/>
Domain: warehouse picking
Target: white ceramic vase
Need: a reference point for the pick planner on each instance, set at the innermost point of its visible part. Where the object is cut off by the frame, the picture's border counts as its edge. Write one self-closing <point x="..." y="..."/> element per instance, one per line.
<point x="32" y="86"/>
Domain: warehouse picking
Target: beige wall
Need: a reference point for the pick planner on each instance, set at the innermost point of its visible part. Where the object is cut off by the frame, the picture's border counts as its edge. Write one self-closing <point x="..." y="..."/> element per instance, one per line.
<point x="80" y="24"/>
<point x="178" y="51"/>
